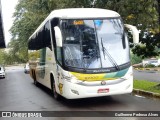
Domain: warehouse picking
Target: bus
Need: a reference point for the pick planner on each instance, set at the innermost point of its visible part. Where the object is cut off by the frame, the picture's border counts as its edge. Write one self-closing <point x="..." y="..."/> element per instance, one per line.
<point x="81" y="53"/>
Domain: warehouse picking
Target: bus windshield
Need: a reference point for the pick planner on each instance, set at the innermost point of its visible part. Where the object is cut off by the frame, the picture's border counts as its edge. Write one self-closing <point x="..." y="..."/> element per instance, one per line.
<point x="97" y="43"/>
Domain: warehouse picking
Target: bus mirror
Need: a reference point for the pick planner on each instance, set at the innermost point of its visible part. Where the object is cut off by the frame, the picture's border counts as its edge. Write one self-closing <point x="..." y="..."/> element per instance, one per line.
<point x="135" y="32"/>
<point x="58" y="36"/>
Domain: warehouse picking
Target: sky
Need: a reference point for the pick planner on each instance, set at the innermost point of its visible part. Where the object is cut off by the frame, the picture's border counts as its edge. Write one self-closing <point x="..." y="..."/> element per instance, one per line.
<point x="8" y="8"/>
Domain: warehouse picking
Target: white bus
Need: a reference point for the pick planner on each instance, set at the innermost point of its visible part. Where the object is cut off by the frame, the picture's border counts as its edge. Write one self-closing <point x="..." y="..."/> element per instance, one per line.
<point x="83" y="52"/>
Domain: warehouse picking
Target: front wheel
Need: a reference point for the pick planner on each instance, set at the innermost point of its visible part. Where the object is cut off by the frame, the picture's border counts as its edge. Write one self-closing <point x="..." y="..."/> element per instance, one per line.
<point x="55" y="94"/>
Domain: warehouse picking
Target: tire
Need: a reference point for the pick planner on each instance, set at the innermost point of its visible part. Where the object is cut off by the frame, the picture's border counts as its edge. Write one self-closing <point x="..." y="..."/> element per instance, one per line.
<point x="53" y="86"/>
<point x="34" y="78"/>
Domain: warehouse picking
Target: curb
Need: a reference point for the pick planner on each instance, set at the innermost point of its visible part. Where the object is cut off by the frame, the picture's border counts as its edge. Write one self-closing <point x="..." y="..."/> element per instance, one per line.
<point x="146" y="93"/>
<point x="150" y="69"/>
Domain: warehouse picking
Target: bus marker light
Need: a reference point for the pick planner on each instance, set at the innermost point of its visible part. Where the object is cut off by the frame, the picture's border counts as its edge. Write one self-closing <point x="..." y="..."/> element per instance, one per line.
<point x="105" y="90"/>
<point x="75" y="92"/>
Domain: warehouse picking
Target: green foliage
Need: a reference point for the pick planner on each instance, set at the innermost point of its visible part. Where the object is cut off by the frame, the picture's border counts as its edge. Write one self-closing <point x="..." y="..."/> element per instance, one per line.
<point x="146" y="85"/>
<point x="135" y="59"/>
<point x="34" y="55"/>
<point x="6" y="58"/>
<point x="2" y="53"/>
<point x="28" y="16"/>
<point x="30" y="13"/>
<point x="149" y="66"/>
<point x="149" y="46"/>
<point x="139" y="66"/>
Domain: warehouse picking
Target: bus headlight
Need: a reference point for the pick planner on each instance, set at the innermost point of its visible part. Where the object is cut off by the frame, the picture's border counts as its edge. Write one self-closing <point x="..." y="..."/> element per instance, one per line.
<point x="71" y="79"/>
<point x="75" y="81"/>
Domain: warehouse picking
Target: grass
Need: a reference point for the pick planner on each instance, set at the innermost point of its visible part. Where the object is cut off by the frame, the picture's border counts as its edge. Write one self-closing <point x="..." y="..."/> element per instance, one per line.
<point x="147" y="86"/>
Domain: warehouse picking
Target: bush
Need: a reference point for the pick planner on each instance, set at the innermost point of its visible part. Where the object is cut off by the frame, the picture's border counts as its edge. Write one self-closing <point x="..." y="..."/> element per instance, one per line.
<point x="149" y="66"/>
<point x="140" y="66"/>
<point x="135" y="59"/>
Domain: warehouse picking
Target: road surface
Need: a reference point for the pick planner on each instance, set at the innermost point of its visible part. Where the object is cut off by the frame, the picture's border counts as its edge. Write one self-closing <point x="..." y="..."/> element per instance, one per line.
<point x="153" y="76"/>
<point x="18" y="93"/>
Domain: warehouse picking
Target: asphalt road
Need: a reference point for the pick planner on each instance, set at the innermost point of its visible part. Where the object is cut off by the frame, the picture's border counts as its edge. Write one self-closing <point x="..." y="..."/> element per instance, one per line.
<point x="18" y="93"/>
<point x="153" y="76"/>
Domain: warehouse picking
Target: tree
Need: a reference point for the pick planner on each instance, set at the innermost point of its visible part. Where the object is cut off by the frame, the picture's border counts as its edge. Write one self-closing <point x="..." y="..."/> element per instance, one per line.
<point x="158" y="10"/>
<point x="30" y="13"/>
<point x="149" y="46"/>
<point x="2" y="52"/>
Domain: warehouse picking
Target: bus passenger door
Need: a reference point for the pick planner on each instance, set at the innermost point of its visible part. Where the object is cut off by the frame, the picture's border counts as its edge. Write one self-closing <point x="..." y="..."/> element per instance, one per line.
<point x="59" y="70"/>
<point x="41" y="67"/>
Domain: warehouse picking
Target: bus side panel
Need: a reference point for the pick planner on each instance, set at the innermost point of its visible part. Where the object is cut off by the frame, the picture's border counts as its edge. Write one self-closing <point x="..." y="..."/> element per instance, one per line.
<point x="50" y="68"/>
<point x="33" y="62"/>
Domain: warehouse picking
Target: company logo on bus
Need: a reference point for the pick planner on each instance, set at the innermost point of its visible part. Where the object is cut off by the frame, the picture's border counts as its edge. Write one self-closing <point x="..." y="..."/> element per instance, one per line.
<point x="103" y="82"/>
<point x="97" y="71"/>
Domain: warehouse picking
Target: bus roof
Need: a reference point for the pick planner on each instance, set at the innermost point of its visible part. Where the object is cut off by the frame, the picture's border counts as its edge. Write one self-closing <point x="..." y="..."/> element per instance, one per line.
<point x="78" y="13"/>
<point x="82" y="13"/>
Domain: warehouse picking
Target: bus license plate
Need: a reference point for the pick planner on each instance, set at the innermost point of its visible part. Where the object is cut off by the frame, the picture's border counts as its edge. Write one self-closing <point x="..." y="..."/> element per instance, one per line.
<point x="105" y="90"/>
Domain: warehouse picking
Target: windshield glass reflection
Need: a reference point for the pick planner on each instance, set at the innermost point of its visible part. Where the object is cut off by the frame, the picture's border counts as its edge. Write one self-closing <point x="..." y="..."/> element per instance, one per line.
<point x="82" y="45"/>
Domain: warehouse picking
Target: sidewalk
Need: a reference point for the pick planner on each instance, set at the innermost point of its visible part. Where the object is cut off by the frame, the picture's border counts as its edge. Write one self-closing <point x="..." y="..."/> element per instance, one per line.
<point x="146" y="94"/>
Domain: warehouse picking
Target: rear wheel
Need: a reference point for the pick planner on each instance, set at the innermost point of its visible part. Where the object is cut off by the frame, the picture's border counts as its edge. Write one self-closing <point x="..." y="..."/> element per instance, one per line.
<point x="34" y="78"/>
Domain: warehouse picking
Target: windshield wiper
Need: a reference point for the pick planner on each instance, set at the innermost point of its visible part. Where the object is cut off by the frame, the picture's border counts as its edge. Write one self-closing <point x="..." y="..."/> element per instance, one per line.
<point x="105" y="52"/>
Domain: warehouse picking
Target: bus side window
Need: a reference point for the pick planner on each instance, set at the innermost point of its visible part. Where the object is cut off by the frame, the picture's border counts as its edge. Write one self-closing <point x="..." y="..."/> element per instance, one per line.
<point x="47" y="37"/>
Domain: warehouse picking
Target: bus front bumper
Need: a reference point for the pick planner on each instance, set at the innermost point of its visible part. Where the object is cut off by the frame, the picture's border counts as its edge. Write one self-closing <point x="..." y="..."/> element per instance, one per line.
<point x="75" y="91"/>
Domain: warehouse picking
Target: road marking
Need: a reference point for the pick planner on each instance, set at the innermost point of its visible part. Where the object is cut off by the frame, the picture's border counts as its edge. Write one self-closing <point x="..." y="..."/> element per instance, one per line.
<point x="139" y="96"/>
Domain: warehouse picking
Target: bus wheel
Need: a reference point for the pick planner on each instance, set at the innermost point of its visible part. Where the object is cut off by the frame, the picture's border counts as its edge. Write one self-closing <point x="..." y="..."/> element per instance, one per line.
<point x="55" y="94"/>
<point x="34" y="78"/>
